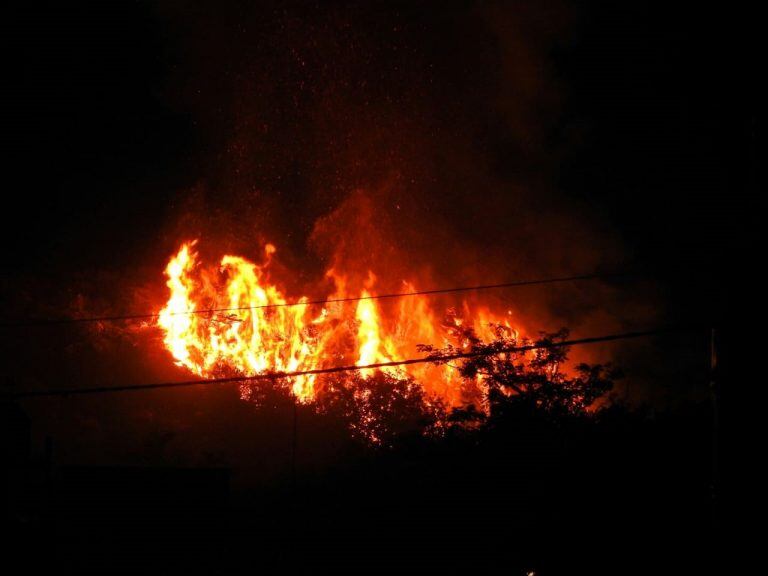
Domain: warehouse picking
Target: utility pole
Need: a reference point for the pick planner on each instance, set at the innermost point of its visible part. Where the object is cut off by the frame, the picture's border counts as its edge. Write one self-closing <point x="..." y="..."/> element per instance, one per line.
<point x="293" y="545"/>
<point x="293" y="446"/>
<point x="714" y="391"/>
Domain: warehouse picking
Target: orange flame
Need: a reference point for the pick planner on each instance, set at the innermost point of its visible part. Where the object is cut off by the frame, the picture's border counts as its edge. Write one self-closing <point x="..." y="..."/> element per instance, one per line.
<point x="234" y="320"/>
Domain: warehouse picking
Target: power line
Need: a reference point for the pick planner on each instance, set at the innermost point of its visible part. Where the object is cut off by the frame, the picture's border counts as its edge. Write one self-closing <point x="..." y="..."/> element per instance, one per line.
<point x="518" y="283"/>
<point x="335" y="369"/>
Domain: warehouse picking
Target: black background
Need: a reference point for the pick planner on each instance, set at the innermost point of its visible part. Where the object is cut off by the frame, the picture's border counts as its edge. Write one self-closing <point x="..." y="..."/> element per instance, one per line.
<point x="637" y="118"/>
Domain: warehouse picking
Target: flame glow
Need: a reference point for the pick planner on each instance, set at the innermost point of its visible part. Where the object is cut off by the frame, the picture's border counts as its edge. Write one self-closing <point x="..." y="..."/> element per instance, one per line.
<point x="233" y="320"/>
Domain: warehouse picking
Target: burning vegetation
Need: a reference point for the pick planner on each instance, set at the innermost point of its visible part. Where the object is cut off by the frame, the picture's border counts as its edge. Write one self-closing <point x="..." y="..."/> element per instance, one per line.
<point x="232" y="319"/>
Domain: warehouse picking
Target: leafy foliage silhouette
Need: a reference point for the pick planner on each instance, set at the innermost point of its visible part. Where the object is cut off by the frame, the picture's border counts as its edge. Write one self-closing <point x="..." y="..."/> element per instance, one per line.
<point x="533" y="378"/>
<point x="384" y="408"/>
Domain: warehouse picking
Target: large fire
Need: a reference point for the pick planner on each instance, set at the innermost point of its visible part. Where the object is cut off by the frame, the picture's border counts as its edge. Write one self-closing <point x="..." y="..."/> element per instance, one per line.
<point x="231" y="319"/>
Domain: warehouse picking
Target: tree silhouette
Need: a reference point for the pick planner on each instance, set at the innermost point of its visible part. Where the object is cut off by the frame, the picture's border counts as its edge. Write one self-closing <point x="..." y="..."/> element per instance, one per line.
<point x="382" y="407"/>
<point x="379" y="408"/>
<point x="533" y="378"/>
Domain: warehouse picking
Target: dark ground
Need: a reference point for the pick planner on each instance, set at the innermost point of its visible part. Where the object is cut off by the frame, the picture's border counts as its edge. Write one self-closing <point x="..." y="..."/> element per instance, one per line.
<point x="629" y="493"/>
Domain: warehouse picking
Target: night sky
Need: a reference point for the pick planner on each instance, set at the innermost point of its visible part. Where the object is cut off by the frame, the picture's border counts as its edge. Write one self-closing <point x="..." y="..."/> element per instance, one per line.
<point x="625" y="128"/>
<point x="488" y="142"/>
<point x="491" y="141"/>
